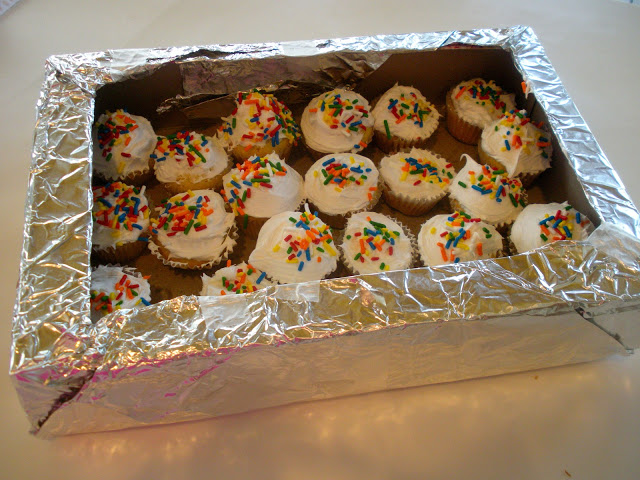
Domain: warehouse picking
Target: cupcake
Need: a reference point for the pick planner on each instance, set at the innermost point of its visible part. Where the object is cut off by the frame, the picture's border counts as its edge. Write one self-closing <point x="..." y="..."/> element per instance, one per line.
<point x="458" y="237"/>
<point x="295" y="247"/>
<point x="516" y="145"/>
<point x="474" y="104"/>
<point x="120" y="216"/>
<point x="193" y="231"/>
<point x="259" y="125"/>
<point x="403" y="119"/>
<point x="540" y="224"/>
<point x="234" y="280"/>
<point x="375" y="243"/>
<point x="340" y="185"/>
<point x="414" y="182"/>
<point x="260" y="188"/>
<point x="487" y="193"/>
<point x="190" y="161"/>
<point x="122" y="148"/>
<point x="335" y="122"/>
<point x="116" y="288"/>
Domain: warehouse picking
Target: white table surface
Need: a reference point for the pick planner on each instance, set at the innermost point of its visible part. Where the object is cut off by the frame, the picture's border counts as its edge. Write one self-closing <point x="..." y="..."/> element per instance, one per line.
<point x="580" y="421"/>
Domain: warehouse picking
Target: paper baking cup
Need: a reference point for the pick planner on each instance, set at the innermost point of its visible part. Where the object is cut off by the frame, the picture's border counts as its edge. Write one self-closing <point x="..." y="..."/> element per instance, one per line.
<point x="283" y="149"/>
<point x="254" y="224"/>
<point x="122" y="253"/>
<point x="460" y="129"/>
<point x="184" y="185"/>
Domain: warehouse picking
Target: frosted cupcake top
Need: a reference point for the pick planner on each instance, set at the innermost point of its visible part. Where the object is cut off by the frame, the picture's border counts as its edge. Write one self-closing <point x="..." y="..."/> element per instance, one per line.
<point x="122" y="145"/>
<point x="114" y="288"/>
<point x="234" y="280"/>
<point x="479" y="102"/>
<point x="262" y="187"/>
<point x="188" y="157"/>
<point x="518" y="144"/>
<point x="445" y="239"/>
<point x="341" y="183"/>
<point x="540" y="224"/>
<point x="336" y="121"/>
<point x="419" y="174"/>
<point x="295" y="247"/>
<point x="120" y="215"/>
<point x="258" y="120"/>
<point x="487" y="193"/>
<point x="405" y="113"/>
<point x="375" y="243"/>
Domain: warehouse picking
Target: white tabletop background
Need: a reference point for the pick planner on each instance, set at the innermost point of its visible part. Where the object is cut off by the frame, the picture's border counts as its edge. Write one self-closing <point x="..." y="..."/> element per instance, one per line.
<point x="580" y="422"/>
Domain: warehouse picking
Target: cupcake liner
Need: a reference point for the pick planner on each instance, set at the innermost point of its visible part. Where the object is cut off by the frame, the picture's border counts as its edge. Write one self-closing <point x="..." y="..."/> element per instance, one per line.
<point x="460" y="129"/>
<point x="283" y="149"/>
<point x="136" y="179"/>
<point x="122" y="253"/>
<point x="413" y="207"/>
<point x="184" y="185"/>
<point x="397" y="144"/>
<point x="254" y="224"/>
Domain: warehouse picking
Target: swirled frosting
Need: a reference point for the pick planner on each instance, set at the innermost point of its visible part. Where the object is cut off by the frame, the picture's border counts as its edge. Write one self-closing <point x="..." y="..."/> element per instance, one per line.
<point x="194" y="225"/>
<point x="263" y="186"/>
<point x="404" y="112"/>
<point x="234" y="280"/>
<point x="419" y="174"/>
<point x="375" y="243"/>
<point x="295" y="247"/>
<point x="458" y="237"/>
<point x="341" y="183"/>
<point x="120" y="215"/>
<point x="336" y="121"/>
<point x="479" y="102"/>
<point x="258" y="120"/>
<point x="540" y="224"/>
<point x="188" y="157"/>
<point x="115" y="288"/>
<point x="122" y="144"/>
<point x="518" y="144"/>
<point x="487" y="193"/>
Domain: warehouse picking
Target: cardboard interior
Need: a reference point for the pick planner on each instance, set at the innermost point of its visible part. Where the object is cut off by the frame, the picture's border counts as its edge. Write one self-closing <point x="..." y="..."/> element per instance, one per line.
<point x="432" y="72"/>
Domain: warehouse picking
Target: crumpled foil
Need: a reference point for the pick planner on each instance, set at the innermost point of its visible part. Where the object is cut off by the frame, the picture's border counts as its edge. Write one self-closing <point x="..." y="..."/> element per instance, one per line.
<point x="198" y="357"/>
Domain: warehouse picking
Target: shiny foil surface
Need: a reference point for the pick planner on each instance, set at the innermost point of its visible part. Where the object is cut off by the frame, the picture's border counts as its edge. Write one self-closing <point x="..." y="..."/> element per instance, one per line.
<point x="198" y="357"/>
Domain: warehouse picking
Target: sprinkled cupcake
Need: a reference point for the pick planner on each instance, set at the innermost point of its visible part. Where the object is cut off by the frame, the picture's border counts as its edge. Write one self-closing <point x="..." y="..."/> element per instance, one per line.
<point x="234" y="280"/>
<point x="122" y="148"/>
<point x="295" y="247"/>
<point x="259" y="125"/>
<point x="189" y="161"/>
<point x="403" y="119"/>
<point x="120" y="216"/>
<point x="517" y="145"/>
<point x="337" y="121"/>
<point x="115" y="288"/>
<point x="415" y="181"/>
<point x="488" y="193"/>
<point x="541" y="224"/>
<point x="474" y="104"/>
<point x="375" y="243"/>
<point x="193" y="230"/>
<point x="341" y="184"/>
<point x="260" y="188"/>
<point x="458" y="237"/>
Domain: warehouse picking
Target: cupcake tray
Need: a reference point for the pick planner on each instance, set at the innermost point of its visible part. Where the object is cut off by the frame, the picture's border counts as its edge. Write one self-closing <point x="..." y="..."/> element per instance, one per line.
<point x="188" y="357"/>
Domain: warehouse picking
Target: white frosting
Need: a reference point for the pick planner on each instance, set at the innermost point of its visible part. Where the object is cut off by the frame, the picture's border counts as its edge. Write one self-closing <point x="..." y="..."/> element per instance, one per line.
<point x="132" y="146"/>
<point x="517" y="144"/>
<point x="394" y="252"/>
<point x="526" y="231"/>
<point x="352" y="121"/>
<point x="131" y="221"/>
<point x="434" y="180"/>
<point x="490" y="207"/>
<point x="434" y="246"/>
<point x="404" y="119"/>
<point x="206" y="244"/>
<point x="107" y="280"/>
<point x="481" y="102"/>
<point x="234" y="280"/>
<point x="353" y="195"/>
<point x="286" y="192"/>
<point x="188" y="157"/>
<point x="271" y="252"/>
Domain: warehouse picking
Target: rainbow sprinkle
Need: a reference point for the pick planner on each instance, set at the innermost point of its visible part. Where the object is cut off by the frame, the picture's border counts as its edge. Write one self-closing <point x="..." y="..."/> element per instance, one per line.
<point x="183" y="214"/>
<point x="408" y="108"/>
<point x="241" y="282"/>
<point x="494" y="182"/>
<point x="518" y="136"/>
<point x="123" y="213"/>
<point x="184" y="146"/>
<point x="115" y="131"/>
<point x="561" y="225"/>
<point x="342" y="114"/>
<point x="126" y="287"/>
<point x="483" y="94"/>
<point x="374" y="240"/>
<point x="423" y="170"/>
<point x="341" y="174"/>
<point x="456" y="235"/>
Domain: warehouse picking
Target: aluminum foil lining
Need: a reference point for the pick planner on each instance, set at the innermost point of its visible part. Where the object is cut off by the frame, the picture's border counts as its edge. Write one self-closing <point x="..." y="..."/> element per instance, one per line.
<point x="196" y="357"/>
